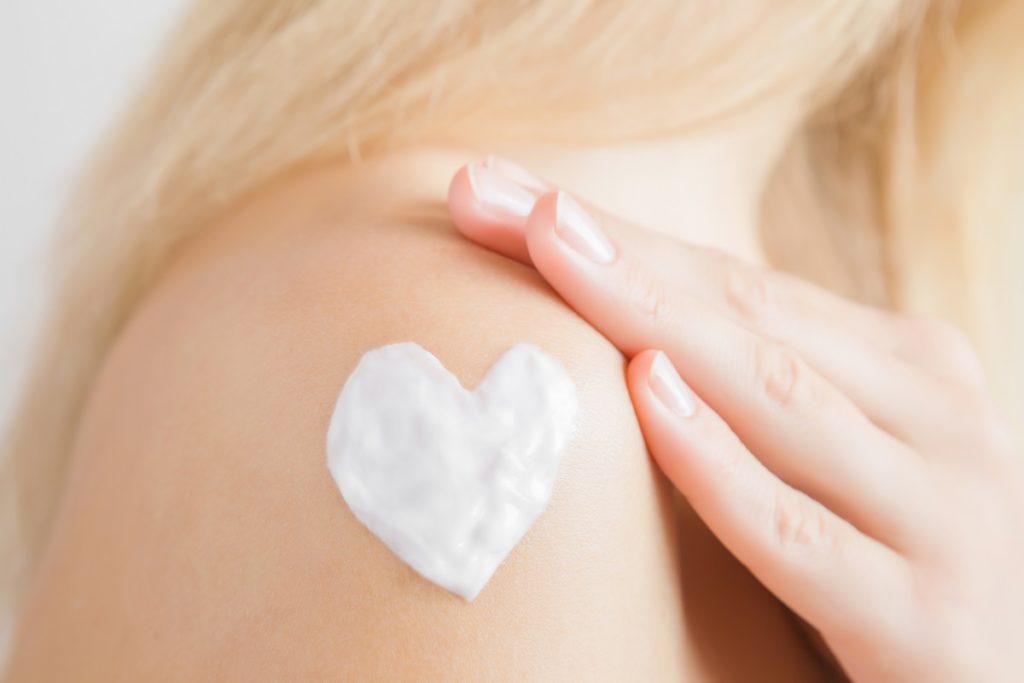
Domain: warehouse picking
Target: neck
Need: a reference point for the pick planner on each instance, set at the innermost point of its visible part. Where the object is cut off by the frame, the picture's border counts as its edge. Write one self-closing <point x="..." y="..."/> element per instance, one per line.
<point x="704" y="188"/>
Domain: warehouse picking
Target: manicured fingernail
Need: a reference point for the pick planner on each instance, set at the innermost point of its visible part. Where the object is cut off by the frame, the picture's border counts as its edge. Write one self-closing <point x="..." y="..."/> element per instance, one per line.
<point x="515" y="173"/>
<point x="669" y="387"/>
<point x="579" y="230"/>
<point x="498" y="195"/>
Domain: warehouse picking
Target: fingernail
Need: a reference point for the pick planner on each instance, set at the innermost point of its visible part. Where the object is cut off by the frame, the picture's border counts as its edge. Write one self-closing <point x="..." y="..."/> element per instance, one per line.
<point x="669" y="387"/>
<point x="579" y="230"/>
<point x="498" y="195"/>
<point x="515" y="173"/>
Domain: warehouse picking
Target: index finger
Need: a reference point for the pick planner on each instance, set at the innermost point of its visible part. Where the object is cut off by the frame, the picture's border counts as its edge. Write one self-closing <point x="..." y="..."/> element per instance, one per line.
<point x="806" y="430"/>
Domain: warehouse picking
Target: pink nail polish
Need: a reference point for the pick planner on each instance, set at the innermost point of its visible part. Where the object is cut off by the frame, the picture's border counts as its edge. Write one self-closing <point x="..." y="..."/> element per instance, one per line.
<point x="579" y="230"/>
<point x="498" y="195"/>
<point x="669" y="387"/>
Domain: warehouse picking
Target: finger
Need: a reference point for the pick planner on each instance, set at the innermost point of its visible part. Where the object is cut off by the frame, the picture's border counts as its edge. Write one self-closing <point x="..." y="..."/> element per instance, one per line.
<point x="802" y="427"/>
<point x="489" y="204"/>
<point x="859" y="348"/>
<point x="774" y="301"/>
<point x="838" y="579"/>
<point x="902" y="400"/>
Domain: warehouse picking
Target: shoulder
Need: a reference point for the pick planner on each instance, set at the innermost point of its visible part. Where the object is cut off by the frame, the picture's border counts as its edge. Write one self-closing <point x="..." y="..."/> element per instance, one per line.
<point x="276" y="317"/>
<point x="200" y="515"/>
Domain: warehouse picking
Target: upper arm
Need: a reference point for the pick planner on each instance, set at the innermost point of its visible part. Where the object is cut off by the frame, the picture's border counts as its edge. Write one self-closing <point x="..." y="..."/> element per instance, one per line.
<point x="200" y="516"/>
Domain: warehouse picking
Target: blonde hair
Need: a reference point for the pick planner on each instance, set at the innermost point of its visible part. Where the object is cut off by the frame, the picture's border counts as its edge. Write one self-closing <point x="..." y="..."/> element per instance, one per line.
<point x="907" y="122"/>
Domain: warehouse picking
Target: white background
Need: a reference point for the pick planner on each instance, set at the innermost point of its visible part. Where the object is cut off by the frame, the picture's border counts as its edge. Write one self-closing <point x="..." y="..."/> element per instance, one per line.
<point x="66" y="66"/>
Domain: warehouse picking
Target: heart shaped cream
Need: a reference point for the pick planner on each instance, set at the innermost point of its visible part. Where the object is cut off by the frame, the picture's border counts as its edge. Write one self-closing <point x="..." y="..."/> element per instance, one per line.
<point x="450" y="479"/>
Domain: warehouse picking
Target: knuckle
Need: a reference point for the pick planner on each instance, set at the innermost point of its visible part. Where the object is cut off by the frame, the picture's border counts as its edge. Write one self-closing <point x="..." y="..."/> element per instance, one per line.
<point x="948" y="346"/>
<point x="732" y="458"/>
<point x="646" y="293"/>
<point x="784" y="379"/>
<point x="942" y="333"/>
<point x="975" y="430"/>
<point x="953" y="342"/>
<point x="994" y="434"/>
<point x="801" y="526"/>
<point x="748" y="294"/>
<point x="964" y="405"/>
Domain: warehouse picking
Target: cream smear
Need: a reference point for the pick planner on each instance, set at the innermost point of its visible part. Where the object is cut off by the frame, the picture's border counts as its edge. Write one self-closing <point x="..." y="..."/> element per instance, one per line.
<point x="450" y="479"/>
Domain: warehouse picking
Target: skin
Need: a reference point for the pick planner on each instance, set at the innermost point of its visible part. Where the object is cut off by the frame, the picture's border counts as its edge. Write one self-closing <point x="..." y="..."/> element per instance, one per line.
<point x="851" y="458"/>
<point x="201" y="537"/>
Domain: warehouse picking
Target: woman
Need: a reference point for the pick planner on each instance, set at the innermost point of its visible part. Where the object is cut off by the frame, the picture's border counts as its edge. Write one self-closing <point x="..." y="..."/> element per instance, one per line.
<point x="272" y="207"/>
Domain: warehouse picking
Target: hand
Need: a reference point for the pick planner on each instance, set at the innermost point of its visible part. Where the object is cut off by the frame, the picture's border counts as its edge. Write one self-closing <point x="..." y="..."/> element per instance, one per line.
<point x="848" y="456"/>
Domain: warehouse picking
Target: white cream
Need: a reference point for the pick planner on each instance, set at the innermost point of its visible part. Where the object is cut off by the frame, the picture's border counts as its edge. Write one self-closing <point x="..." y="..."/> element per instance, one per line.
<point x="450" y="479"/>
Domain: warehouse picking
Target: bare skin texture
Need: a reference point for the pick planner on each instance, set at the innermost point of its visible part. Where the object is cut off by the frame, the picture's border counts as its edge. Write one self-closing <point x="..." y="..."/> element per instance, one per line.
<point x="201" y="537"/>
<point x="850" y="457"/>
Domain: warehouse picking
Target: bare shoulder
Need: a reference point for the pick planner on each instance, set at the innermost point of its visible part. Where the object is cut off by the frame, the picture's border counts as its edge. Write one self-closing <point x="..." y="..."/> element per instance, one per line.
<point x="200" y="516"/>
